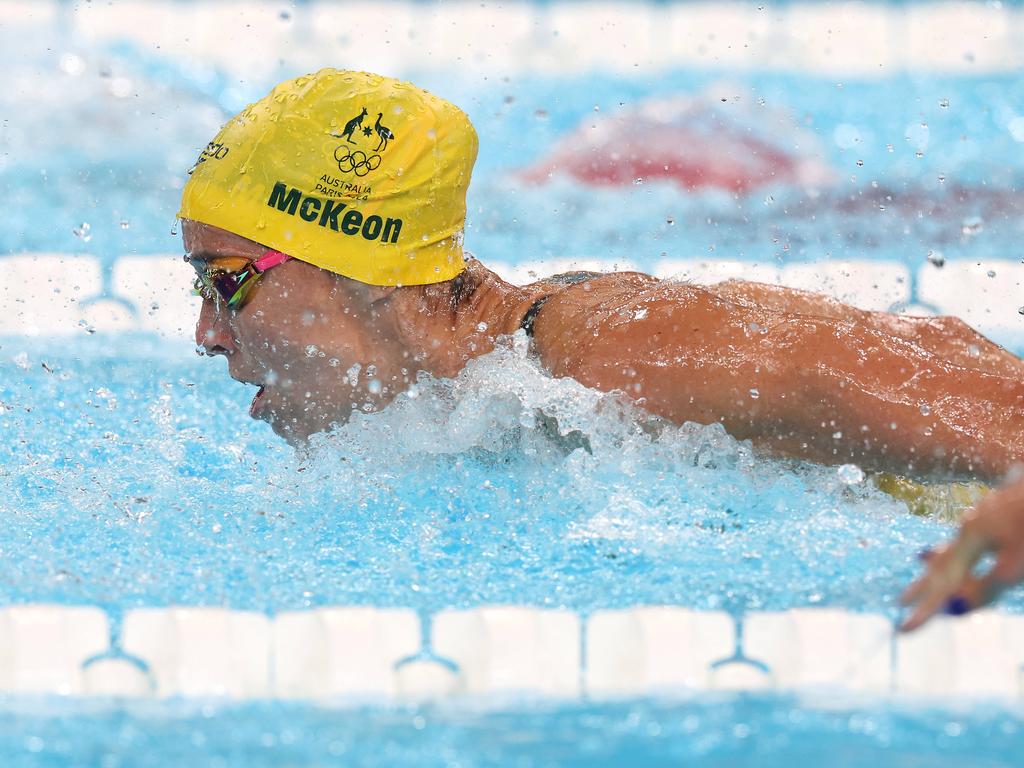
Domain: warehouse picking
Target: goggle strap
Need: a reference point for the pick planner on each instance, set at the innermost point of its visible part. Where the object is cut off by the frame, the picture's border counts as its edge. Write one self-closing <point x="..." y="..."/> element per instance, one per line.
<point x="270" y="259"/>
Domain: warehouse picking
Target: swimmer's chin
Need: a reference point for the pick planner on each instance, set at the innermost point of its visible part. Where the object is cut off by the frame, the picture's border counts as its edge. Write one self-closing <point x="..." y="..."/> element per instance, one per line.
<point x="297" y="433"/>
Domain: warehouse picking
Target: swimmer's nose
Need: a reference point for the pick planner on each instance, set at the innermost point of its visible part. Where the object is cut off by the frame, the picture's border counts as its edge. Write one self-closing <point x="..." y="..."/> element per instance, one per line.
<point x="213" y="332"/>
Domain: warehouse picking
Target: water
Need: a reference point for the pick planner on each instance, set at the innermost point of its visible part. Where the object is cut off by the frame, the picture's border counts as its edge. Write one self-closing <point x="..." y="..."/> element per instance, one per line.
<point x="134" y="479"/>
<point x="131" y="476"/>
<point x="163" y="491"/>
<point x="738" y="732"/>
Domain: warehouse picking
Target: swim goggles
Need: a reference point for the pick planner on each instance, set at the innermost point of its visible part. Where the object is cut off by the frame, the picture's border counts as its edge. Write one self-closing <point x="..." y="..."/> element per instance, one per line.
<point x="234" y="288"/>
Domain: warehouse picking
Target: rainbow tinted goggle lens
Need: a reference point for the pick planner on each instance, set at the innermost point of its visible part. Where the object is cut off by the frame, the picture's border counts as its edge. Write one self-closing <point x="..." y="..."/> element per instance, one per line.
<point x="234" y="288"/>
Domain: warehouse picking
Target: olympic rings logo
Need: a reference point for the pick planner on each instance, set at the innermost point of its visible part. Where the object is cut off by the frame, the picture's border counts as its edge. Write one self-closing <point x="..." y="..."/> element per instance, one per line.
<point x="358" y="162"/>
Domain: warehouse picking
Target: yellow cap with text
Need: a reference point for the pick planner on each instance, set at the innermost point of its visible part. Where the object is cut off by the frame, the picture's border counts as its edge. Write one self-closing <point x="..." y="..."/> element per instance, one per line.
<point x="359" y="174"/>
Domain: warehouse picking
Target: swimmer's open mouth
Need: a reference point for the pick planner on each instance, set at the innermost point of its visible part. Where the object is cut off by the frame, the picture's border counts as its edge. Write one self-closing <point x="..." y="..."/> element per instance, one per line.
<point x="255" y="405"/>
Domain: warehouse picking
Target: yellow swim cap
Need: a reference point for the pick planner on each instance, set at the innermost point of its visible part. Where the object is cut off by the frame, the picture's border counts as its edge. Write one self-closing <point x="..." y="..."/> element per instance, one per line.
<point x="356" y="173"/>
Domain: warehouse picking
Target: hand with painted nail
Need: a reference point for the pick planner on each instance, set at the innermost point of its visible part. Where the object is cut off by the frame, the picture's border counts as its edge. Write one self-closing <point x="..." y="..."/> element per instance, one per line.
<point x="949" y="585"/>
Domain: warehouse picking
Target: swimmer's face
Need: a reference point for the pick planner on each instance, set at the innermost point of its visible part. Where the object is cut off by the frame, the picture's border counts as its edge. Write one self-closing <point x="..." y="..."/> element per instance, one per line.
<point x="313" y="342"/>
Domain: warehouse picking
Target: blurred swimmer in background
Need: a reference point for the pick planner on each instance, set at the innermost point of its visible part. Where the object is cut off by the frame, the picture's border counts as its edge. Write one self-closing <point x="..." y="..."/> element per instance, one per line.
<point x="325" y="226"/>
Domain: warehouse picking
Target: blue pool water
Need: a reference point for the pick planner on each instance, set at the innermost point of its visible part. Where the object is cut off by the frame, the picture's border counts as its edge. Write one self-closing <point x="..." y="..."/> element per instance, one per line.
<point x="131" y="476"/>
<point x="746" y="732"/>
<point x="135" y="480"/>
<point x="163" y="491"/>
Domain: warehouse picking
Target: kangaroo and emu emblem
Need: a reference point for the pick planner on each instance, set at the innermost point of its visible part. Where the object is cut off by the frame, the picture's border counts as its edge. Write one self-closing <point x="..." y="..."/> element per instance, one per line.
<point x="356" y="160"/>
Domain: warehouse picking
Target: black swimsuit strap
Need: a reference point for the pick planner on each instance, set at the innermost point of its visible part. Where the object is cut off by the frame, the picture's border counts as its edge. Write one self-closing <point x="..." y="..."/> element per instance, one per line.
<point x="531" y="314"/>
<point x="566" y="279"/>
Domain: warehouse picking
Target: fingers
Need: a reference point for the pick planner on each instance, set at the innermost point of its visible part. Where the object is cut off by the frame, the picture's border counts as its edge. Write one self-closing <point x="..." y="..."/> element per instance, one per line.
<point x="996" y="524"/>
<point x="1009" y="568"/>
<point x="931" y="603"/>
<point x="955" y="597"/>
<point x="947" y="575"/>
<point x="976" y="593"/>
<point x="973" y="593"/>
<point x="932" y="559"/>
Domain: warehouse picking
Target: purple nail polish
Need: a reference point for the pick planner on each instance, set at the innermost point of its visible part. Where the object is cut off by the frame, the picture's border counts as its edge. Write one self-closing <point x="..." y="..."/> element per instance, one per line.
<point x="957" y="606"/>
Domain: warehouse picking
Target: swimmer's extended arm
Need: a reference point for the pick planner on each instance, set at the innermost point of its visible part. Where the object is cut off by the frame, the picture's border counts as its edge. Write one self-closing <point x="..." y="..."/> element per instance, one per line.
<point x="825" y="389"/>
<point x="949" y="338"/>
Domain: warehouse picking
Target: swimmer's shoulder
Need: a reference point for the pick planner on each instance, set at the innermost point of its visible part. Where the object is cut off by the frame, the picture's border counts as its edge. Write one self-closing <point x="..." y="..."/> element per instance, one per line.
<point x="581" y="287"/>
<point x="600" y="310"/>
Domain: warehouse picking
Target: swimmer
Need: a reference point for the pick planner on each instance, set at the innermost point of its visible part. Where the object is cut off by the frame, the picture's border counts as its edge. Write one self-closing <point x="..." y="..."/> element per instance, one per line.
<point x="332" y="273"/>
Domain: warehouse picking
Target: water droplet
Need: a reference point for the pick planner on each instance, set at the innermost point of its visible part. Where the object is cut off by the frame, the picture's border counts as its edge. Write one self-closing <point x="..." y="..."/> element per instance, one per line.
<point x="943" y="103"/>
<point x="925" y="410"/>
<point x="890" y="148"/>
<point x="638" y="181"/>
<point x="1020" y="310"/>
<point x="936" y="259"/>
<point x="850" y="474"/>
<point x="754" y="394"/>
<point x="72" y="64"/>
<point x="374" y="387"/>
<point x="972" y="225"/>
<point x="125" y="224"/>
<point x="82" y="232"/>
<point x="769" y="200"/>
<point x="942" y="178"/>
<point x="991" y="273"/>
<point x="482" y="327"/>
<point x="311" y="350"/>
<point x="670" y="221"/>
<point x="121" y="87"/>
<point x="860" y="163"/>
<point x="973" y="350"/>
